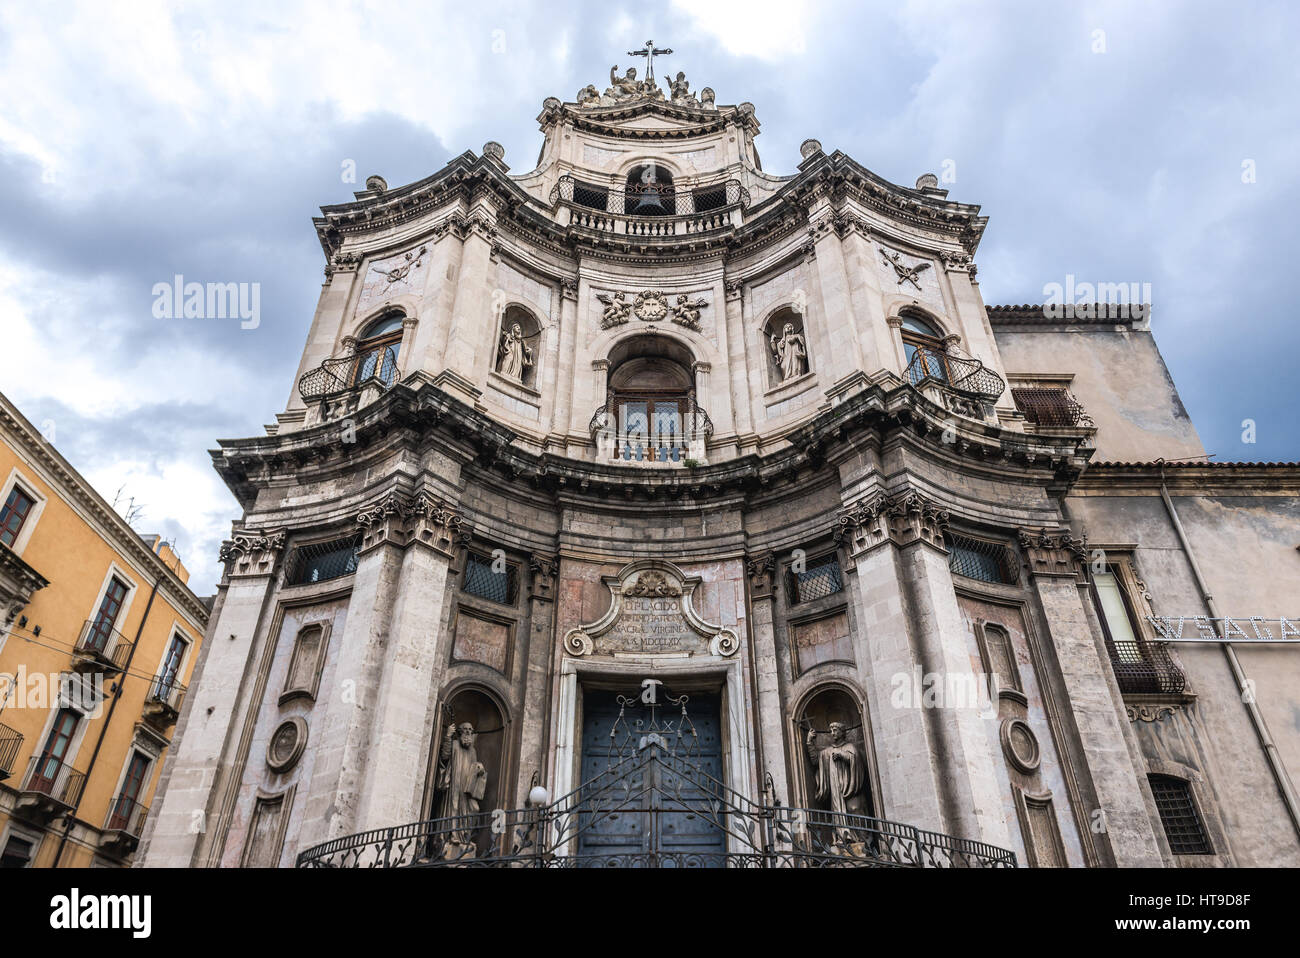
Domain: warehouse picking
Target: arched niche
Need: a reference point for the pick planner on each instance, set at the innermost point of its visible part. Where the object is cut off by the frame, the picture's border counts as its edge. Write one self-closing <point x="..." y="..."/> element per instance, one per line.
<point x="480" y="709"/>
<point x="827" y="709"/>
<point x="786" y="343"/>
<point x="650" y="398"/>
<point x="649" y="190"/>
<point x="517" y="354"/>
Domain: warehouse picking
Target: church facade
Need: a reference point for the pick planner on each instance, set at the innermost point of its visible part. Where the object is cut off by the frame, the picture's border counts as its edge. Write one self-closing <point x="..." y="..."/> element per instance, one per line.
<point x="648" y="508"/>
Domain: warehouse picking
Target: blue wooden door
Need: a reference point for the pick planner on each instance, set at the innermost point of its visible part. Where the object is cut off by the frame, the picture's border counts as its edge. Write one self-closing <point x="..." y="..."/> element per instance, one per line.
<point x="655" y="808"/>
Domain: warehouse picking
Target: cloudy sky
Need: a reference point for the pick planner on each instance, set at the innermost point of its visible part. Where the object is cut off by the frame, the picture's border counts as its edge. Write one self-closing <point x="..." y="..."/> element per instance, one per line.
<point x="1116" y="142"/>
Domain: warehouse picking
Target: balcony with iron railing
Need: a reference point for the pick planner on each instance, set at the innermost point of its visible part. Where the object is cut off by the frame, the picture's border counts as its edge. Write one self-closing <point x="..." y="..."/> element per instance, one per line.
<point x="10" y="742"/>
<point x="344" y="374"/>
<point x="678" y="219"/>
<point x="1050" y="408"/>
<point x="673" y="438"/>
<point x="101" y="648"/>
<point x="1145" y="668"/>
<point x="163" y="703"/>
<point x="961" y="384"/>
<point x="123" y="826"/>
<point x="50" y="788"/>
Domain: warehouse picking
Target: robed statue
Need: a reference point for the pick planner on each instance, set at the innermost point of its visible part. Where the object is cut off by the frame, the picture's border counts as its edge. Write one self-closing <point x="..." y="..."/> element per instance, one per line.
<point x="839" y="779"/>
<point x="790" y="353"/>
<point x="515" y="355"/>
<point x="462" y="782"/>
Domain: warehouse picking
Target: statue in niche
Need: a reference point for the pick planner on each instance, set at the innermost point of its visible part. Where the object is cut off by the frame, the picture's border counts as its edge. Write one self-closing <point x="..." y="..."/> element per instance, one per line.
<point x="462" y="781"/>
<point x="515" y="355"/>
<point x="790" y="353"/>
<point x="680" y="90"/>
<point x="839" y="778"/>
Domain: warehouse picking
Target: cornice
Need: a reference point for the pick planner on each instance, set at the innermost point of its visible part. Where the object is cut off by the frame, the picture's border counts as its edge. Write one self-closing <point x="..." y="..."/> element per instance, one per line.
<point x="410" y="412"/>
<point x="106" y="522"/>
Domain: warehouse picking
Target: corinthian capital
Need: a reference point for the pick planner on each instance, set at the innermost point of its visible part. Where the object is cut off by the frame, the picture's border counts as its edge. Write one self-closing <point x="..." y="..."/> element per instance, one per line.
<point x="1054" y="551"/>
<point x="902" y="518"/>
<point x="251" y="553"/>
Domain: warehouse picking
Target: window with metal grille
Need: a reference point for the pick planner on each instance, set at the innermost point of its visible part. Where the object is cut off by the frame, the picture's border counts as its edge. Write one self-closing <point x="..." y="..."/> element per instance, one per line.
<point x="980" y="559"/>
<point x="710" y="198"/>
<point x="486" y="583"/>
<point x="820" y="579"/>
<point x="1049" y="406"/>
<point x="1178" y="814"/>
<point x="321" y="561"/>
<point x="596" y="197"/>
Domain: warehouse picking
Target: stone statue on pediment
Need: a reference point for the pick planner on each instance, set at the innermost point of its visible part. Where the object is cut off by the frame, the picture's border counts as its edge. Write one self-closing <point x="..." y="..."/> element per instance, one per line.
<point x="589" y="96"/>
<point x="624" y="87"/>
<point x="680" y="91"/>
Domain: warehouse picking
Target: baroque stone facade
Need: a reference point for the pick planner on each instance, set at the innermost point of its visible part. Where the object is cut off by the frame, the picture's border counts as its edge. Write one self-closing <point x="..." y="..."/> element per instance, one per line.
<point x="650" y="466"/>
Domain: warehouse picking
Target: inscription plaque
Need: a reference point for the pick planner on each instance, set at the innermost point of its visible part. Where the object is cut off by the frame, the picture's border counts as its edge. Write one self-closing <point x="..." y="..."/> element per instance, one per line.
<point x="650" y="613"/>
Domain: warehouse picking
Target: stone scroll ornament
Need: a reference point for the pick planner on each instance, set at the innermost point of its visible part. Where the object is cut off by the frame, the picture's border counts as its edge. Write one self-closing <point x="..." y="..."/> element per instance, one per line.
<point x="651" y="613"/>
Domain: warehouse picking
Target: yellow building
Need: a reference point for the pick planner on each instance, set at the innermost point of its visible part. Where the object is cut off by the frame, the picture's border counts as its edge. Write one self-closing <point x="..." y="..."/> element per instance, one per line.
<point x="99" y="635"/>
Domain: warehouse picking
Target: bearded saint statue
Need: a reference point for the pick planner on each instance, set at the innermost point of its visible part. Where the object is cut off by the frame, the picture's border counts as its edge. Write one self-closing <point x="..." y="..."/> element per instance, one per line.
<point x="462" y="780"/>
<point x="515" y="354"/>
<point x="839" y="778"/>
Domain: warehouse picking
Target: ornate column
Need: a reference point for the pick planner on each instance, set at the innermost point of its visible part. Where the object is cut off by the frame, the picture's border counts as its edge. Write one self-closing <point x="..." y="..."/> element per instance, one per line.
<point x="761" y="570"/>
<point x="1057" y="565"/>
<point x="333" y="803"/>
<point x="543" y="569"/>
<point x="471" y="317"/>
<point x="956" y="772"/>
<point x="600" y="382"/>
<point x="403" y="720"/>
<point x="742" y="402"/>
<point x="200" y="776"/>
<point x="839" y="353"/>
<point x="905" y="747"/>
<point x="564" y="371"/>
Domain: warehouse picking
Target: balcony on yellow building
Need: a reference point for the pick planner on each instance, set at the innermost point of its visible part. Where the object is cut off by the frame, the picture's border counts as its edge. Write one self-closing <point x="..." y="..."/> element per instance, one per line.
<point x="10" y="742"/>
<point x="101" y="648"/>
<point x="51" y="788"/>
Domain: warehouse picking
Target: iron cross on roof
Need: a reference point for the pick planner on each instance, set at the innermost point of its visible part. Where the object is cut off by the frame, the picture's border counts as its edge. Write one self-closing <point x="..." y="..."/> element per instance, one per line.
<point x="649" y="53"/>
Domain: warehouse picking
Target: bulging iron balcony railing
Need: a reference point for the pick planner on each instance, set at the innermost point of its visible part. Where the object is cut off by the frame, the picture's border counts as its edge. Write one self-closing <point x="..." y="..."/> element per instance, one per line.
<point x="346" y="373"/>
<point x="666" y="436"/>
<point x="1050" y="408"/>
<point x="961" y="374"/>
<point x="1143" y="668"/>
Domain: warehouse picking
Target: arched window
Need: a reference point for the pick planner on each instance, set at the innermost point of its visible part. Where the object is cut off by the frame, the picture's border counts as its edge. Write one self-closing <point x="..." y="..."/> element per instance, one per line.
<point x="650" y="191"/>
<point x="516" y="356"/>
<point x="376" y="357"/>
<point x="651" y="401"/>
<point x="926" y="357"/>
<point x="787" y="346"/>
